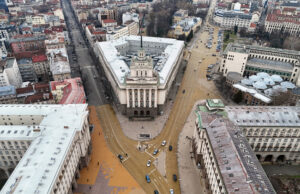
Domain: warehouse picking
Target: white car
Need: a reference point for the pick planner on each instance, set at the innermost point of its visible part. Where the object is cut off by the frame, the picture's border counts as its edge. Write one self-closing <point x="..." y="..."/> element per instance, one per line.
<point x="171" y="191"/>
<point x="164" y="142"/>
<point x="148" y="163"/>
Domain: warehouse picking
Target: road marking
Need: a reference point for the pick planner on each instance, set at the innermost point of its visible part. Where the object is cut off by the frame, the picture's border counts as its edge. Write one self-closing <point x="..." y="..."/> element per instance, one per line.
<point x="152" y="171"/>
<point x="126" y="159"/>
<point x="149" y="154"/>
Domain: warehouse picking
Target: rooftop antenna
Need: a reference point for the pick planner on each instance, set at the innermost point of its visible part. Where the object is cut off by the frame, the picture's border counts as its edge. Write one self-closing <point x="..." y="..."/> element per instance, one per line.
<point x="140" y="25"/>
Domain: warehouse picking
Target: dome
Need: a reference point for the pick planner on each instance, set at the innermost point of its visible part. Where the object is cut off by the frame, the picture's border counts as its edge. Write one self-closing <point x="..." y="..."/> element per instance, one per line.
<point x="269" y="92"/>
<point x="288" y="85"/>
<point x="269" y="81"/>
<point x="260" y="85"/>
<point x="280" y="88"/>
<point x="254" y="78"/>
<point x="276" y="78"/>
<point x="247" y="82"/>
<point x="262" y="75"/>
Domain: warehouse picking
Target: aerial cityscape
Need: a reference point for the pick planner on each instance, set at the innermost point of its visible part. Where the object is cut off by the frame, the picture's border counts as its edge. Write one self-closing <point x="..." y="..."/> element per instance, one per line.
<point x="150" y="96"/>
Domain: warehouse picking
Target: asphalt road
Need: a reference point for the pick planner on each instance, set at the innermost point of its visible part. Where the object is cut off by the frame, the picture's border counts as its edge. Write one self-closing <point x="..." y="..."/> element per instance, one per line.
<point x="196" y="87"/>
<point x="83" y="65"/>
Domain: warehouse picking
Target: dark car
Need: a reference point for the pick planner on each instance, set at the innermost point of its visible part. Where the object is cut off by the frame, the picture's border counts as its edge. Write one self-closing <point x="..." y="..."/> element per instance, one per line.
<point x="148" y="178"/>
<point x="120" y="157"/>
<point x="170" y="148"/>
<point x="183" y="91"/>
<point x="156" y="192"/>
<point x="174" y="177"/>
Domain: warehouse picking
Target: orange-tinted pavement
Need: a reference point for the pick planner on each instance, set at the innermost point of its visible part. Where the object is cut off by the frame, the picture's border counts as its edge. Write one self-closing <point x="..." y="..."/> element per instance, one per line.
<point x="110" y="169"/>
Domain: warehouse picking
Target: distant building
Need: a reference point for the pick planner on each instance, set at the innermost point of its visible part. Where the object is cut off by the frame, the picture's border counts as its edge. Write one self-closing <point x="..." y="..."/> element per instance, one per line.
<point x="140" y="77"/>
<point x="221" y="148"/>
<point x="10" y="73"/>
<point x="130" y="16"/>
<point x="27" y="70"/>
<point x="54" y="140"/>
<point x="8" y="95"/>
<point x="69" y="91"/>
<point x="41" y="65"/>
<point x="284" y="20"/>
<point x="248" y="60"/>
<point x="38" y="93"/>
<point x="115" y="33"/>
<point x="109" y="23"/>
<point x="25" y="46"/>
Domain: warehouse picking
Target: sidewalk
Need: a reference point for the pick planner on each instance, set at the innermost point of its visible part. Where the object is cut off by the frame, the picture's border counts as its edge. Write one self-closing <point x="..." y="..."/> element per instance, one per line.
<point x="105" y="173"/>
<point x="190" y="178"/>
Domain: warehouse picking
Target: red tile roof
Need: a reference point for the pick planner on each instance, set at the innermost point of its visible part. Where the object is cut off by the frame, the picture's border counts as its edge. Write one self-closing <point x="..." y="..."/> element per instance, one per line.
<point x="109" y="21"/>
<point x="252" y="25"/>
<point x="73" y="92"/>
<point x="39" y="58"/>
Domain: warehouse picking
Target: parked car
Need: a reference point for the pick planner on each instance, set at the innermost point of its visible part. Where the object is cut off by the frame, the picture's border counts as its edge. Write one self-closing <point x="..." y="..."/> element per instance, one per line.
<point x="183" y="91"/>
<point x="120" y="157"/>
<point x="156" y="192"/>
<point x="149" y="163"/>
<point x="171" y="191"/>
<point x="174" y="177"/>
<point x="170" y="148"/>
<point x="155" y="152"/>
<point x="148" y="179"/>
<point x="164" y="142"/>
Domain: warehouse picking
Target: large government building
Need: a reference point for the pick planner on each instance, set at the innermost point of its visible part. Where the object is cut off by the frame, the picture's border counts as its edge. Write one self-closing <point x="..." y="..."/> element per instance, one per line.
<point x="248" y="60"/>
<point x="229" y="143"/>
<point x="43" y="147"/>
<point x="141" y="73"/>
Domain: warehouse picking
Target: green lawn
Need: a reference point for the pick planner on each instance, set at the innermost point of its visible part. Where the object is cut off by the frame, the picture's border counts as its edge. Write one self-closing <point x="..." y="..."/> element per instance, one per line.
<point x="232" y="37"/>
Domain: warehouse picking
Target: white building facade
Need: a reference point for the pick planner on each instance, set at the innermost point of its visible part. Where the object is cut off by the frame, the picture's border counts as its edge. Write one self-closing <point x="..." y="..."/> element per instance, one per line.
<point x="10" y="73"/>
<point x="163" y="55"/>
<point x="247" y="60"/>
<point x="39" y="155"/>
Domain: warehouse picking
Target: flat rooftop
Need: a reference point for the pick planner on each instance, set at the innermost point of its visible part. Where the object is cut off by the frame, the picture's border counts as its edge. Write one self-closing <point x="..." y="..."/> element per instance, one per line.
<point x="115" y="52"/>
<point x="51" y="139"/>
<point x="277" y="116"/>
<point x="271" y="64"/>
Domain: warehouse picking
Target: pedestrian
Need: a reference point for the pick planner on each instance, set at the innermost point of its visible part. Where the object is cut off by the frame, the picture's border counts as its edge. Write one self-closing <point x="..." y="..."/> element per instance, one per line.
<point x="126" y="154"/>
<point x="87" y="180"/>
<point x="98" y="163"/>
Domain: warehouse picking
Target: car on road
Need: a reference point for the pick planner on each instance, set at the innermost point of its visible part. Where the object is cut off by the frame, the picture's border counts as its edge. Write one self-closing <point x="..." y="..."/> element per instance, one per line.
<point x="183" y="91"/>
<point x="174" y="177"/>
<point x="164" y="142"/>
<point x="209" y="78"/>
<point x="155" y="152"/>
<point x="214" y="55"/>
<point x="170" y="148"/>
<point x="148" y="163"/>
<point x="171" y="191"/>
<point x="120" y="157"/>
<point x="148" y="178"/>
<point x="156" y="192"/>
<point x="208" y="70"/>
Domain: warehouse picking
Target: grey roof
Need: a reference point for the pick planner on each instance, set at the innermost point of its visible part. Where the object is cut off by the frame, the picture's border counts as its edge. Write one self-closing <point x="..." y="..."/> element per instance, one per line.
<point x="254" y="78"/>
<point x="288" y="85"/>
<point x="278" y="116"/>
<point x="236" y="161"/>
<point x="232" y="14"/>
<point x="271" y="63"/>
<point x="262" y="75"/>
<point x="269" y="81"/>
<point x="7" y="90"/>
<point x="247" y="82"/>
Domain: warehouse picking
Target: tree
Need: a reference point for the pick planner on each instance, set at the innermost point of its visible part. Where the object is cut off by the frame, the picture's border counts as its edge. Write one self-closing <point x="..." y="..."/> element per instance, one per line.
<point x="243" y="32"/>
<point x="235" y="29"/>
<point x="238" y="97"/>
<point x="226" y="37"/>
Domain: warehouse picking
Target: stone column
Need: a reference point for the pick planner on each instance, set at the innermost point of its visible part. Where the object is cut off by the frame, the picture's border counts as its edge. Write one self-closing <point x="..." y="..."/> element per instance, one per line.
<point x="139" y="98"/>
<point x="127" y="96"/>
<point x="133" y="98"/>
<point x="150" y="98"/>
<point x="145" y="98"/>
<point x="155" y="98"/>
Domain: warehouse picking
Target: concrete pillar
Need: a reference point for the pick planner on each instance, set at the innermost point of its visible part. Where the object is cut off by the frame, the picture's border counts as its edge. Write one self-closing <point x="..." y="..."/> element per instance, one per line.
<point x="133" y="98"/>
<point x="145" y="97"/>
<point x="7" y="173"/>
<point x="127" y="96"/>
<point x="150" y="98"/>
<point x="139" y="98"/>
<point x="155" y="98"/>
